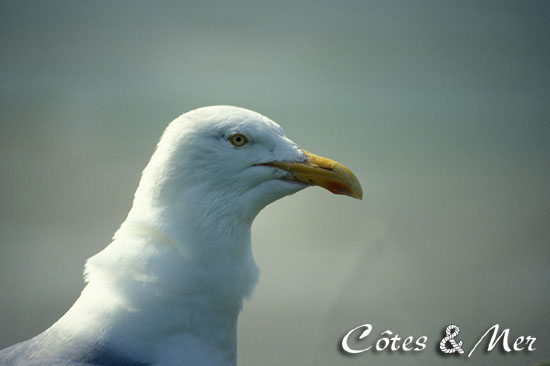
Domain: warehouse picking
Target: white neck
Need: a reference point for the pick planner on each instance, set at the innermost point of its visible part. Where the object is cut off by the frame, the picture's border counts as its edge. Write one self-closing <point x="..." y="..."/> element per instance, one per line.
<point x="170" y="291"/>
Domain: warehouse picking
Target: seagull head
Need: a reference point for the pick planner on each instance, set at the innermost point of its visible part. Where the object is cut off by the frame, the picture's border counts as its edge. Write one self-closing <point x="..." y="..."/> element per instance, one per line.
<point x="233" y="161"/>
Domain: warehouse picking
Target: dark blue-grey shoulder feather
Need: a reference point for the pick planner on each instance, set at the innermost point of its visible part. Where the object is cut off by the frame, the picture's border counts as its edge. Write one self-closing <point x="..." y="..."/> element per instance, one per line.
<point x="44" y="352"/>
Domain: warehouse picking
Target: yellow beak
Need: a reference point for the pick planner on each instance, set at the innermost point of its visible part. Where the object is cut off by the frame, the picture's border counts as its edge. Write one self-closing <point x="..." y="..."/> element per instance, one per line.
<point x="323" y="172"/>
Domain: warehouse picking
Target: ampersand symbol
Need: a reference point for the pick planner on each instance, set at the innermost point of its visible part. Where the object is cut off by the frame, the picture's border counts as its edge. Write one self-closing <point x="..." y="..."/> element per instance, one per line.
<point x="451" y="332"/>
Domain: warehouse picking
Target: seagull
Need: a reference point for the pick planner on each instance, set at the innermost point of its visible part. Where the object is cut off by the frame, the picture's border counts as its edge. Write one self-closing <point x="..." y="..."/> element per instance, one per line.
<point x="169" y="288"/>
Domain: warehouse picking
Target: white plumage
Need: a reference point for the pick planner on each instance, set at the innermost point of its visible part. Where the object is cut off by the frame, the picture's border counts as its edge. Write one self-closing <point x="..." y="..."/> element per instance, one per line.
<point x="169" y="288"/>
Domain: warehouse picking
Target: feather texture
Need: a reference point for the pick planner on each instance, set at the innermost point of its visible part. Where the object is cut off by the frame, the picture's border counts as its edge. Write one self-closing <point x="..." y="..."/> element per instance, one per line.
<point x="169" y="288"/>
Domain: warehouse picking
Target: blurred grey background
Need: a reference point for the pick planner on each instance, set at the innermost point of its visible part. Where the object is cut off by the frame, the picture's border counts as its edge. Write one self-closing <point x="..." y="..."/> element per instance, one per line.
<point x="441" y="108"/>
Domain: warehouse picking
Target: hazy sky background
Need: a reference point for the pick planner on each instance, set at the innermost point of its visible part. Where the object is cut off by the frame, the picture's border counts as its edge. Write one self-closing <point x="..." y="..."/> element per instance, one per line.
<point x="441" y="108"/>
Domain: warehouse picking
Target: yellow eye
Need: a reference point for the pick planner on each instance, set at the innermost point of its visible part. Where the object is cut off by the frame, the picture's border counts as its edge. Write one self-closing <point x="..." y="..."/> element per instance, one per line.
<point x="238" y="140"/>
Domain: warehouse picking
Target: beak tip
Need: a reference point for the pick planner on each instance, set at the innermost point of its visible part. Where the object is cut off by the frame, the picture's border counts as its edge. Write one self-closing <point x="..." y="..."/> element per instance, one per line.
<point x="353" y="191"/>
<point x="357" y="195"/>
